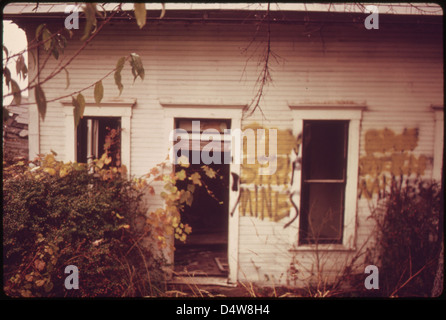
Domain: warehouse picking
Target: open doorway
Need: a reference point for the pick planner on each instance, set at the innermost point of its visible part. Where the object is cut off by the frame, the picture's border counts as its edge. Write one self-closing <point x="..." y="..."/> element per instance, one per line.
<point x="205" y="252"/>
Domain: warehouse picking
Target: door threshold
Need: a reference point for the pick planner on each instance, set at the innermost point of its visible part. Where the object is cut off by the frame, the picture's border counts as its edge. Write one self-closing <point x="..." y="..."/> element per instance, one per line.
<point x="203" y="280"/>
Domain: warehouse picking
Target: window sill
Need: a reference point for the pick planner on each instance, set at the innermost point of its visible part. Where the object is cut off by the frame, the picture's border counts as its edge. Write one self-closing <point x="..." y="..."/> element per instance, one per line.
<point x="322" y="247"/>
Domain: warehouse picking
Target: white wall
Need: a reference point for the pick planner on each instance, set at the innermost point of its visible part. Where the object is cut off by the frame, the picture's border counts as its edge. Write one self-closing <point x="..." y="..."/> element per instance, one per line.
<point x="396" y="71"/>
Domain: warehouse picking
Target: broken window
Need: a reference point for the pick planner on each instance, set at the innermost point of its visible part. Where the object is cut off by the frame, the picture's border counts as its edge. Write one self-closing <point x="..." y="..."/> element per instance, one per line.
<point x="324" y="164"/>
<point x="92" y="135"/>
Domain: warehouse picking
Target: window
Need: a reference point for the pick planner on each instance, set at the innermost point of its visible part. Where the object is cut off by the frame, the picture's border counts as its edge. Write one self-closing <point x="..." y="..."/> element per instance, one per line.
<point x="326" y="185"/>
<point x="118" y="110"/>
<point x="92" y="135"/>
<point x="324" y="155"/>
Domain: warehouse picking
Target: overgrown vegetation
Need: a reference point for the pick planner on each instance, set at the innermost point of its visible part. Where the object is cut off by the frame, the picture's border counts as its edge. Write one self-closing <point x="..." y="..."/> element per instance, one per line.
<point x="409" y="237"/>
<point x="92" y="216"/>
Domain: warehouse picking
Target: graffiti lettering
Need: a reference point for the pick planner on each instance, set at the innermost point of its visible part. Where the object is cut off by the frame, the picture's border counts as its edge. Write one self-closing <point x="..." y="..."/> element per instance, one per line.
<point x="263" y="202"/>
<point x="388" y="154"/>
<point x="268" y="196"/>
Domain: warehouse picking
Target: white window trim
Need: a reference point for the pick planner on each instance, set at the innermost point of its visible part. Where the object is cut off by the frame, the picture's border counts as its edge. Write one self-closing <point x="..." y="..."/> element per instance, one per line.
<point x="438" y="142"/>
<point x="112" y="108"/>
<point x="353" y="113"/>
<point x="212" y="110"/>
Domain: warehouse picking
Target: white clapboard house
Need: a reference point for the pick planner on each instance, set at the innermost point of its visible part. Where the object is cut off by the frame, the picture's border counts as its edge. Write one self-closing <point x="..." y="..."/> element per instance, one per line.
<point x="350" y="99"/>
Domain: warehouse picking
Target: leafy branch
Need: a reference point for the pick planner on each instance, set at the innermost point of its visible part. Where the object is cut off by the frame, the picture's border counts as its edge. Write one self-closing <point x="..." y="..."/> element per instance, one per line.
<point x="54" y="44"/>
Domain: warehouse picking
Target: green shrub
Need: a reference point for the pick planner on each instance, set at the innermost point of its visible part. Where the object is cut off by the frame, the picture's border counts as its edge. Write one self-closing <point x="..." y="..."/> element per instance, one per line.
<point x="69" y="214"/>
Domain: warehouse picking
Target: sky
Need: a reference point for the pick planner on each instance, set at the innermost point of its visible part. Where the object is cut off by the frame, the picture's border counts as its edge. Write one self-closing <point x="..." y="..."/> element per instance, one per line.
<point x="14" y="40"/>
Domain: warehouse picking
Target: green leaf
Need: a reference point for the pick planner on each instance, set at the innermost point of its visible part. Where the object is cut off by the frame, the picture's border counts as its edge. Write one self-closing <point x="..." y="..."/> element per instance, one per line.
<point x="81" y="102"/>
<point x="39" y="30"/>
<point x="119" y="67"/>
<point x="98" y="92"/>
<point x="67" y="77"/>
<point x="46" y="37"/>
<point x="61" y="42"/>
<point x="137" y="67"/>
<point x="55" y="51"/>
<point x="90" y="14"/>
<point x="34" y="58"/>
<point x="140" y="14"/>
<point x="40" y="100"/>
<point x="16" y="92"/>
<point x="76" y="113"/>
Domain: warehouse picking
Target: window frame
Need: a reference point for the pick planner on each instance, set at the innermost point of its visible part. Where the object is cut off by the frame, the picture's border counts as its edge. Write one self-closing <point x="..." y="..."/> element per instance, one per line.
<point x="93" y="147"/>
<point x="119" y="108"/>
<point x="306" y="182"/>
<point x="351" y="112"/>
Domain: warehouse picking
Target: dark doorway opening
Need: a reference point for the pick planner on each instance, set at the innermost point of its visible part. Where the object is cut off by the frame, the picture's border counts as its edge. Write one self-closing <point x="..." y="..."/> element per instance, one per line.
<point x="205" y="251"/>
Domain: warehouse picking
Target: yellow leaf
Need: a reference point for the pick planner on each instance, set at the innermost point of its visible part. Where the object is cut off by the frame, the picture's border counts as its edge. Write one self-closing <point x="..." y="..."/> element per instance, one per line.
<point x="181" y="175"/>
<point x="39" y="264"/>
<point x="40" y="283"/>
<point x="140" y="14"/>
<point x="51" y="171"/>
<point x="183" y="161"/>
<point x="196" y="178"/>
<point x="63" y="172"/>
<point x="100" y="164"/>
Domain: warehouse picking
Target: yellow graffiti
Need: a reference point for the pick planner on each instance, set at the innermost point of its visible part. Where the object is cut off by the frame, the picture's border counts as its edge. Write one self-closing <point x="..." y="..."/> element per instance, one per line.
<point x="285" y="139"/>
<point x="249" y="173"/>
<point x="387" y="154"/>
<point x="257" y="197"/>
<point x="262" y="202"/>
<point x="387" y="141"/>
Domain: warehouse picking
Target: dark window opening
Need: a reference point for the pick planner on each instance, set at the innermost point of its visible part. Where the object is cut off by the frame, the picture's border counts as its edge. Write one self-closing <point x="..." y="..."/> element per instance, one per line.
<point x="324" y="165"/>
<point x="92" y="135"/>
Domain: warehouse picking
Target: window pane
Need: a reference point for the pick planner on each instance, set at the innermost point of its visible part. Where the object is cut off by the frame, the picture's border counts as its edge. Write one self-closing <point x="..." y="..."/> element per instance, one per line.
<point x="322" y="213"/>
<point x="323" y="149"/>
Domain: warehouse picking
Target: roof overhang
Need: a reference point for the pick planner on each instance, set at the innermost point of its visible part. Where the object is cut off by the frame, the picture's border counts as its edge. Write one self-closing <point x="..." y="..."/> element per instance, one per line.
<point x="239" y="13"/>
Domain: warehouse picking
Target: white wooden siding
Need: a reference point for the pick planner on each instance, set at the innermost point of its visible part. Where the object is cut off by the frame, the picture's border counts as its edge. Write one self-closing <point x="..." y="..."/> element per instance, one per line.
<point x="396" y="71"/>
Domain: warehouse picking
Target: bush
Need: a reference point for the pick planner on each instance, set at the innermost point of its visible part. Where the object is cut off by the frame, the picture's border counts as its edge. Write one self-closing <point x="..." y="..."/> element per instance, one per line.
<point x="59" y="214"/>
<point x="409" y="239"/>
